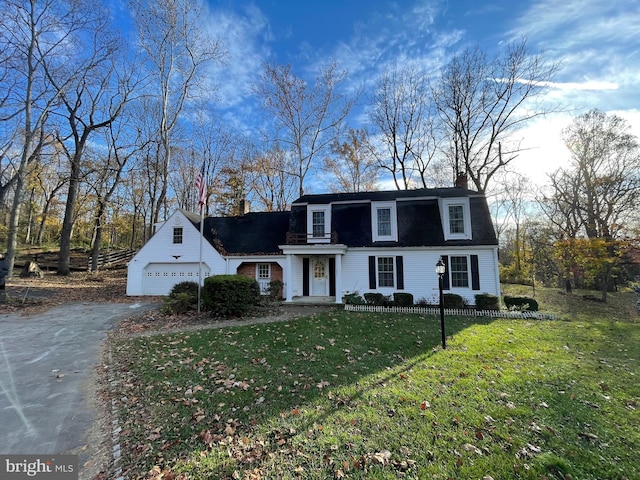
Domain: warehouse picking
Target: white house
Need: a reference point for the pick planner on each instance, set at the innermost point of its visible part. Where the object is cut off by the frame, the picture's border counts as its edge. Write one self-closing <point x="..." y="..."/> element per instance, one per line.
<point x="332" y="244"/>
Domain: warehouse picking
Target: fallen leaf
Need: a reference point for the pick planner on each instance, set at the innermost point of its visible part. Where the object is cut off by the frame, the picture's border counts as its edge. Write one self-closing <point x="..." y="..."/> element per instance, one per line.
<point x="472" y="448"/>
<point x="382" y="457"/>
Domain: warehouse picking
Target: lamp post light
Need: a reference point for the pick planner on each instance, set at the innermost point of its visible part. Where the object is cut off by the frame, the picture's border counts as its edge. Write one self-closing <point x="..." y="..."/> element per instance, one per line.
<point x="440" y="270"/>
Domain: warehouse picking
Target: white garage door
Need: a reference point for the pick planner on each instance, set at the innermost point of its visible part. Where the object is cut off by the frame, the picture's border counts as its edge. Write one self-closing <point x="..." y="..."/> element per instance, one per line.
<point x="160" y="277"/>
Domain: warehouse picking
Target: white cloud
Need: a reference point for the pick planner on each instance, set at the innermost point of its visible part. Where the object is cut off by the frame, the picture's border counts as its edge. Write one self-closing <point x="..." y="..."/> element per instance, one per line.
<point x="246" y="40"/>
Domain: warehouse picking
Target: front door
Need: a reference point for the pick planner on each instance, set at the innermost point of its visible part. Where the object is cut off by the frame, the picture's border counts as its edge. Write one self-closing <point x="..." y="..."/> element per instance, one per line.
<point x="319" y="277"/>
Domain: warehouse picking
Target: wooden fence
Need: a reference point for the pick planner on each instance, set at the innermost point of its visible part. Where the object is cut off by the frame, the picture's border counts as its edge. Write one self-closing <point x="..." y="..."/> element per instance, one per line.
<point x="461" y="312"/>
<point x="110" y="259"/>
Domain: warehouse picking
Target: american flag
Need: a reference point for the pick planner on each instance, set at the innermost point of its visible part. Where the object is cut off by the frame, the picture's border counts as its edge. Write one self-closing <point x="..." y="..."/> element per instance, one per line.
<point x="201" y="186"/>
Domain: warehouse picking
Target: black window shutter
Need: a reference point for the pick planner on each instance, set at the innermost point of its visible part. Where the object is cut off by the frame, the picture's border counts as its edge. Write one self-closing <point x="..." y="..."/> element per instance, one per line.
<point x="445" y="277"/>
<point x="305" y="277"/>
<point x="399" y="273"/>
<point x="372" y="273"/>
<point x="332" y="276"/>
<point x="475" y="274"/>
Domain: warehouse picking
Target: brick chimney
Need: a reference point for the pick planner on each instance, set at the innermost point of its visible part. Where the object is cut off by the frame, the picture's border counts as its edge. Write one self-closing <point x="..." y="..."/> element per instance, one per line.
<point x="462" y="181"/>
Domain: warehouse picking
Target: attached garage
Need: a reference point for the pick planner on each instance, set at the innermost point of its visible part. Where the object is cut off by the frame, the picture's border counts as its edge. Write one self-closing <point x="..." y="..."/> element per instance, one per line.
<point x="159" y="278"/>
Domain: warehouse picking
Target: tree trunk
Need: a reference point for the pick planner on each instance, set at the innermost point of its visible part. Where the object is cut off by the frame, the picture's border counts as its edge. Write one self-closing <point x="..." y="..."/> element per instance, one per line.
<point x="98" y="237"/>
<point x="64" y="260"/>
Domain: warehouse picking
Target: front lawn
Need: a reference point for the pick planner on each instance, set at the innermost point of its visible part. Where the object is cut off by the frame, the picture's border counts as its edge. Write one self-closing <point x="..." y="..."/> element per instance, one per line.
<point x="353" y="395"/>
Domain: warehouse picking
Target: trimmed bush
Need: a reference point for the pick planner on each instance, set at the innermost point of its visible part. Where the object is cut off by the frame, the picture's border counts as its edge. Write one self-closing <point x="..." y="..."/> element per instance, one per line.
<point x="182" y="298"/>
<point x="178" y="303"/>
<point x="375" y="298"/>
<point x="185" y="287"/>
<point x="403" y="299"/>
<point x="353" y="299"/>
<point x="230" y="295"/>
<point x="453" y="300"/>
<point x="521" y="303"/>
<point x="485" y="301"/>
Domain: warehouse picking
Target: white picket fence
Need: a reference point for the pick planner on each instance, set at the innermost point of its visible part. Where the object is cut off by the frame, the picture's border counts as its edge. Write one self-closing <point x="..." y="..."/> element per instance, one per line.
<point x="461" y="312"/>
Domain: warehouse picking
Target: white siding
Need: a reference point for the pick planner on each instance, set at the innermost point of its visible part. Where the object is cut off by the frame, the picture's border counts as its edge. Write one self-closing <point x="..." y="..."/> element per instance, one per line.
<point x="160" y="254"/>
<point x="420" y="278"/>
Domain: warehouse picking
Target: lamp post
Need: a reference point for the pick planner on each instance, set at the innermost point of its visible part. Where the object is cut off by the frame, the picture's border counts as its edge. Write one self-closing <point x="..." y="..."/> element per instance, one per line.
<point x="440" y="270"/>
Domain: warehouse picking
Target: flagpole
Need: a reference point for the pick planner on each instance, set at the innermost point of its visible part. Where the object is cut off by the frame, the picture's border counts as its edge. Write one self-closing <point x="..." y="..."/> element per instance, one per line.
<point x="201" y="186"/>
<point x="200" y="255"/>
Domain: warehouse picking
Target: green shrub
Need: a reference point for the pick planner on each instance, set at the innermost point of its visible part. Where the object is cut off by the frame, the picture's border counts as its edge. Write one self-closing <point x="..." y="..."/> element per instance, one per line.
<point x="403" y="299"/>
<point x="230" y="295"/>
<point x="178" y="303"/>
<point x="353" y="299"/>
<point x="375" y="298"/>
<point x="186" y="287"/>
<point x="453" y="300"/>
<point x="274" y="290"/>
<point x="485" y="301"/>
<point x="182" y="298"/>
<point x="520" y="303"/>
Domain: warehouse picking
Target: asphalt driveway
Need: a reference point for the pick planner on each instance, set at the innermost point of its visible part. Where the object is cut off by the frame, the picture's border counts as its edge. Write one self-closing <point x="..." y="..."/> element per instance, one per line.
<point x="46" y="361"/>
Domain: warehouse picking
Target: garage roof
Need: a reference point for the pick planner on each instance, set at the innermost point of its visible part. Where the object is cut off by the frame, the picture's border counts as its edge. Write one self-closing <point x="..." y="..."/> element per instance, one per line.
<point x="257" y="233"/>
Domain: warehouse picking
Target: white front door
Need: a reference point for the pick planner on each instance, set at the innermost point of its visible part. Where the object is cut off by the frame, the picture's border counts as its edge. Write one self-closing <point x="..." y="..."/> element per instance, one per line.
<point x="263" y="276"/>
<point x="319" y="277"/>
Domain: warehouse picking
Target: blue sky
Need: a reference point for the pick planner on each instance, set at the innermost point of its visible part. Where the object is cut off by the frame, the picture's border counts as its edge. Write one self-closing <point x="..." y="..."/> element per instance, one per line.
<point x="597" y="42"/>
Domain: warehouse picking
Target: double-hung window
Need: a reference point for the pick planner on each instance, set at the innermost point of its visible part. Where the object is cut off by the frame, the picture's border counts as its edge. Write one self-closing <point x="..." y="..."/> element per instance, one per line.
<point x="383" y="222"/>
<point x="177" y="234"/>
<point x="317" y="224"/>
<point x="459" y="272"/>
<point x="456" y="218"/>
<point x="385" y="272"/>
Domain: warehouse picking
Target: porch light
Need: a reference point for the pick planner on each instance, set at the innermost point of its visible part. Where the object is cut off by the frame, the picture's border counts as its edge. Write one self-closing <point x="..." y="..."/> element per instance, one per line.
<point x="440" y="270"/>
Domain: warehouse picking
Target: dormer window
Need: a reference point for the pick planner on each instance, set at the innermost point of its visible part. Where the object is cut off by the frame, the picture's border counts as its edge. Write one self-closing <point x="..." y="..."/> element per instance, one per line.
<point x="319" y="223"/>
<point x="456" y="221"/>
<point x="383" y="221"/>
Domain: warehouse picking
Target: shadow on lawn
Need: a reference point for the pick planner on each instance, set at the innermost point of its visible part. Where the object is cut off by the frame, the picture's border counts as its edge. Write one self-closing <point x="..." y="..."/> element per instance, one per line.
<point x="262" y="376"/>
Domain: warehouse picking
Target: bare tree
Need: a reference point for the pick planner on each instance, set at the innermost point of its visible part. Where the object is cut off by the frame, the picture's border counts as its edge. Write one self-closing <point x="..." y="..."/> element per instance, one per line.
<point x="482" y="102"/>
<point x="106" y="178"/>
<point x="402" y="118"/>
<point x="178" y="52"/>
<point x="50" y="180"/>
<point x="307" y="118"/>
<point x="272" y="187"/>
<point x="35" y="32"/>
<point x="353" y="165"/>
<point x="95" y="99"/>
<point x="601" y="188"/>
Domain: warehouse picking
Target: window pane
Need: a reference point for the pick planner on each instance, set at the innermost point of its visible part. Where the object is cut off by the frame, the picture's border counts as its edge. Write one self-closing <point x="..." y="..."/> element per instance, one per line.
<point x="456" y="219"/>
<point x="319" y="269"/>
<point x="385" y="272"/>
<point x="459" y="272"/>
<point x="177" y="235"/>
<point x="263" y="271"/>
<point x="318" y="224"/>
<point x="384" y="222"/>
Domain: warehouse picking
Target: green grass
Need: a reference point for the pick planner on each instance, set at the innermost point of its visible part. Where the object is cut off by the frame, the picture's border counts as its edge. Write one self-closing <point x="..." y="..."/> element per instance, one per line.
<point x="348" y="395"/>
